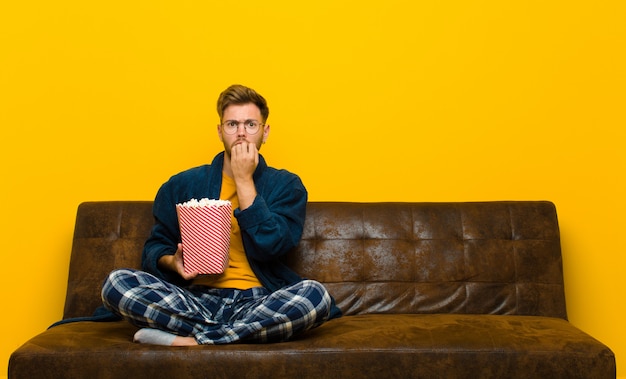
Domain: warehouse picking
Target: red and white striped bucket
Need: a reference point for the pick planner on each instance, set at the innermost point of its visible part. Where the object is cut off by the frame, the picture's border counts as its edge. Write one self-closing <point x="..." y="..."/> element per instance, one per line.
<point x="205" y="232"/>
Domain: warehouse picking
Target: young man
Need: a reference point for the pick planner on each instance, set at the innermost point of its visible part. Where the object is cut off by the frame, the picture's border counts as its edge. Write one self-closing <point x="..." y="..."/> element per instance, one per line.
<point x="257" y="299"/>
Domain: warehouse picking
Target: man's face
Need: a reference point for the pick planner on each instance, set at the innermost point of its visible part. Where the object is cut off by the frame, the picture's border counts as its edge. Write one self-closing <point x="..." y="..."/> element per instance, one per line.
<point x="242" y="115"/>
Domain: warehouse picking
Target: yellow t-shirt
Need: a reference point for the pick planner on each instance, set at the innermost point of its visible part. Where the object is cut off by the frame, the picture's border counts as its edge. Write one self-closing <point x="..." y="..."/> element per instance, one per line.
<point x="238" y="274"/>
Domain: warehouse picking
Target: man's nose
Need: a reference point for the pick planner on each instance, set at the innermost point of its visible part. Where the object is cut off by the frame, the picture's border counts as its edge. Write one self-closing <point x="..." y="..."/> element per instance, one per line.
<point x="241" y="129"/>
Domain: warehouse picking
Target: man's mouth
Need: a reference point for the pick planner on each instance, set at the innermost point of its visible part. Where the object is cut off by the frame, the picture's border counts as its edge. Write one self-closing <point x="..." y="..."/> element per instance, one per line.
<point x="239" y="141"/>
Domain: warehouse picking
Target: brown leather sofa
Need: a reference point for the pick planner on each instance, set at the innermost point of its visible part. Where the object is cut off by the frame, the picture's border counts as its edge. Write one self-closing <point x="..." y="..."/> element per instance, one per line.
<point x="428" y="290"/>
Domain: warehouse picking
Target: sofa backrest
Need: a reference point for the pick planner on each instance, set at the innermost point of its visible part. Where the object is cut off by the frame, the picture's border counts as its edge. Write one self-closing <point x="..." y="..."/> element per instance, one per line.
<point x="107" y="235"/>
<point x="475" y="258"/>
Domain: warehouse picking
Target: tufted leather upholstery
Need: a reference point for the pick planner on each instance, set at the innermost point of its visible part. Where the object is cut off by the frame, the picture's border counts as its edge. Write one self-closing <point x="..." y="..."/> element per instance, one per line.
<point x="455" y="290"/>
<point x="489" y="258"/>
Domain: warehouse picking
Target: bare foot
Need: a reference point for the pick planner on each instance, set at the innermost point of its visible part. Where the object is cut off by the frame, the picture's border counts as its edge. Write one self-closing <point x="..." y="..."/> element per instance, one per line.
<point x="184" y="341"/>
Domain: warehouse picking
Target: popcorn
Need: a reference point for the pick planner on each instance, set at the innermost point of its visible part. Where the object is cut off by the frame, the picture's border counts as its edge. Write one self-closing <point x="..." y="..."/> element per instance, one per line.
<point x="205" y="232"/>
<point x="204" y="202"/>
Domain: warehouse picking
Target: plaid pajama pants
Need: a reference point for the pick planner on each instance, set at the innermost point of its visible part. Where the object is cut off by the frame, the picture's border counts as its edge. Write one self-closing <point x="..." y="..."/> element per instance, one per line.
<point x="216" y="316"/>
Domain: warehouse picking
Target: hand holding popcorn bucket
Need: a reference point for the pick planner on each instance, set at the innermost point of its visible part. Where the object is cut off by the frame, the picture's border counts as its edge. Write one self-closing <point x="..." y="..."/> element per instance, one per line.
<point x="205" y="233"/>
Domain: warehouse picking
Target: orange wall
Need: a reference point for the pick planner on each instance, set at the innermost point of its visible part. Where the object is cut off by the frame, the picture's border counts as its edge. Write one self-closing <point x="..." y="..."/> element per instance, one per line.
<point x="370" y="101"/>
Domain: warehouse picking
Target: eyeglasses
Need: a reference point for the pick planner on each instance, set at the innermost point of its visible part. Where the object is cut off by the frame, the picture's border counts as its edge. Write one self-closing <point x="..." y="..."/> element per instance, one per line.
<point x="232" y="126"/>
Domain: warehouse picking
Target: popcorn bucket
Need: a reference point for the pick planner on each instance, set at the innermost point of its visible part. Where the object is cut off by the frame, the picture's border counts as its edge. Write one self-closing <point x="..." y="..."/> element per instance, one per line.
<point x="205" y="233"/>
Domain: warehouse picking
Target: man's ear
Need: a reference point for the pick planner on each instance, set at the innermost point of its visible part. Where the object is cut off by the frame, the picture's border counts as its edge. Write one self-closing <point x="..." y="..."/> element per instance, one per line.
<point x="266" y="132"/>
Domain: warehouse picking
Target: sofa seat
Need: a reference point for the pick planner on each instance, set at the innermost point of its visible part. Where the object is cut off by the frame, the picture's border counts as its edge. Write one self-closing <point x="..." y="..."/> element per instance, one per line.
<point x="361" y="346"/>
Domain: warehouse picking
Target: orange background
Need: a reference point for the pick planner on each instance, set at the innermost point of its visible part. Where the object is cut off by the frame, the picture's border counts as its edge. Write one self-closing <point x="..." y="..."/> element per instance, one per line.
<point x="370" y="101"/>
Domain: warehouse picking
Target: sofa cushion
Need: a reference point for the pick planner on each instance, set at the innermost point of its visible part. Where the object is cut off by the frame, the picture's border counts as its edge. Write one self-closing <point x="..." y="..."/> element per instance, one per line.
<point x="362" y="346"/>
<point x="473" y="258"/>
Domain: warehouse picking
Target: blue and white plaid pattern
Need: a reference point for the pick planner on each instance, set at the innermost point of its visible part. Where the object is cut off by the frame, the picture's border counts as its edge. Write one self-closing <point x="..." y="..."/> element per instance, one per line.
<point x="216" y="316"/>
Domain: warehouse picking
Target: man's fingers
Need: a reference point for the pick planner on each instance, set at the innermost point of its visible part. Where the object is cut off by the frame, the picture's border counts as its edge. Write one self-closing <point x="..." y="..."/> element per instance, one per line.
<point x="244" y="150"/>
